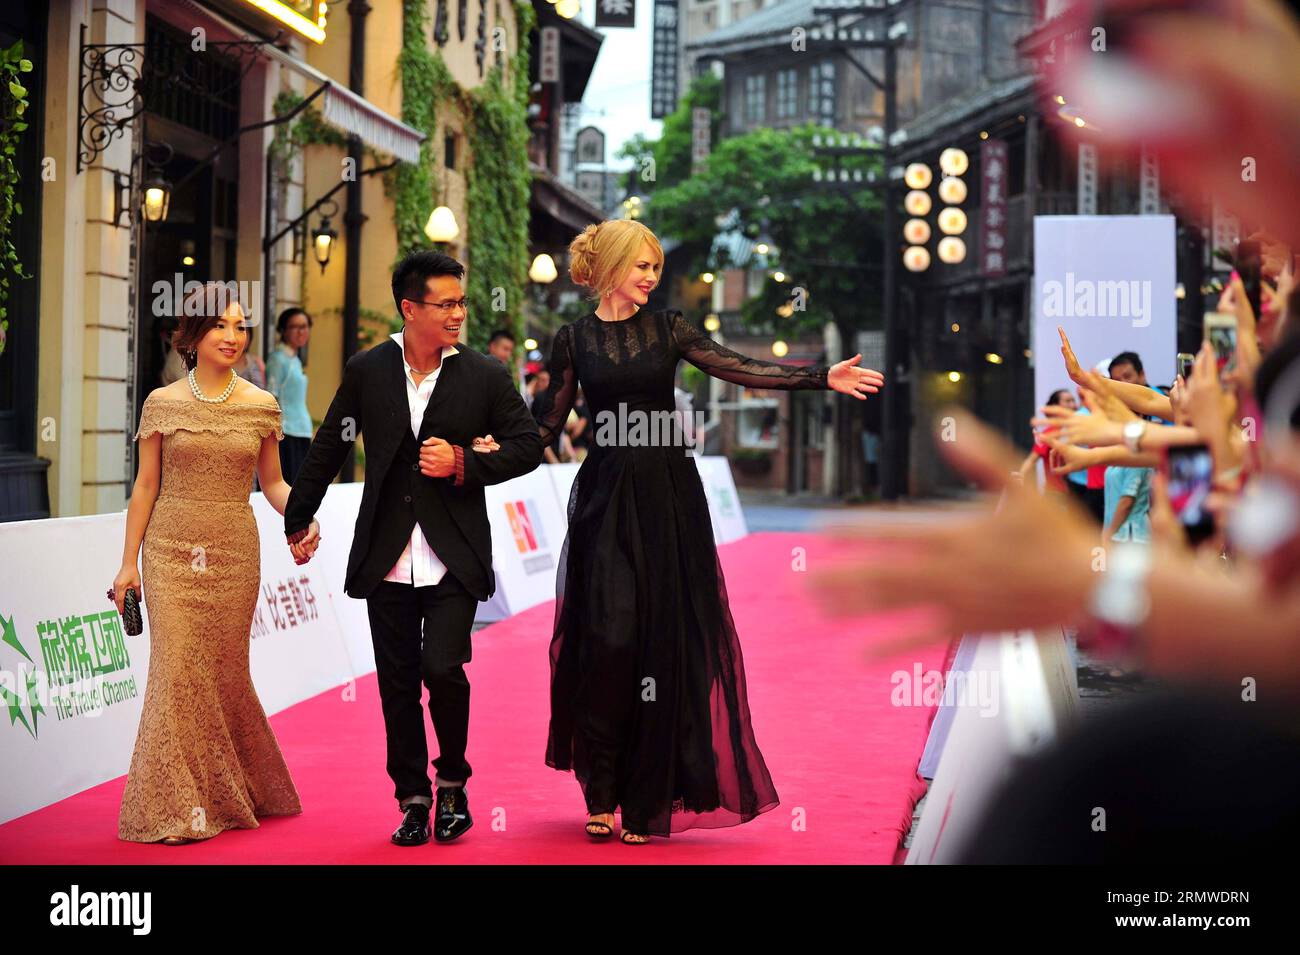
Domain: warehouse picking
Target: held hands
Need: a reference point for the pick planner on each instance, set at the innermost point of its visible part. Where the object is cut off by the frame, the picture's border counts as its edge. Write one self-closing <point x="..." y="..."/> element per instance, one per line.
<point x="847" y="379"/>
<point x="304" y="549"/>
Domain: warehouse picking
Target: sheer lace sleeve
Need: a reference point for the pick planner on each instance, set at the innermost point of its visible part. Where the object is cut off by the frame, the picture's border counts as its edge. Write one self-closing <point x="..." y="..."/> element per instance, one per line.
<point x="720" y="362"/>
<point x="554" y="409"/>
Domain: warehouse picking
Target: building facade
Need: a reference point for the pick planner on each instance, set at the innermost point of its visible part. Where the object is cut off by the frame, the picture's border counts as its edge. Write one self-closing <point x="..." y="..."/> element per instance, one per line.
<point x="266" y="120"/>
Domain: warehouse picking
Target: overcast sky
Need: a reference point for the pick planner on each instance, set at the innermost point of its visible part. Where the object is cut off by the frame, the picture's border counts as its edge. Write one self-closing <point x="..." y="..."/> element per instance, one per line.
<point x="620" y="84"/>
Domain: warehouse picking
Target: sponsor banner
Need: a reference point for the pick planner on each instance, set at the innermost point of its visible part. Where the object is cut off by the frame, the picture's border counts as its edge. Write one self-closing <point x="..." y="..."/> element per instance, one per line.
<point x="338" y="520"/>
<point x="1016" y="695"/>
<point x="72" y="681"/>
<point x="297" y="649"/>
<point x="1109" y="282"/>
<point x="724" y="504"/>
<point x="528" y="528"/>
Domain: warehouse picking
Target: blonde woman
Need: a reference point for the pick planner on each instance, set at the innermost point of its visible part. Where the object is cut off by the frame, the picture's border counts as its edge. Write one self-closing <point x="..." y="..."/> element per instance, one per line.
<point x="205" y="759"/>
<point x="648" y="701"/>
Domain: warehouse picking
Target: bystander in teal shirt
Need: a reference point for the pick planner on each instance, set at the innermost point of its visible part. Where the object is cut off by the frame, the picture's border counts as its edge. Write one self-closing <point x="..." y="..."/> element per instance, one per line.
<point x="1134" y="483"/>
<point x="286" y="380"/>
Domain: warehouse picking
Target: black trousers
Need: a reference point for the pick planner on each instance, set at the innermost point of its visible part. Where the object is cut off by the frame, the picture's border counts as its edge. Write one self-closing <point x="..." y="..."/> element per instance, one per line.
<point x="422" y="637"/>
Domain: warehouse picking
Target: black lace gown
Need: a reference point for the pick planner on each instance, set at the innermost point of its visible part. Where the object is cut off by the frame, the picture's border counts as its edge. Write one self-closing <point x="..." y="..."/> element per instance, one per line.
<point x="648" y="702"/>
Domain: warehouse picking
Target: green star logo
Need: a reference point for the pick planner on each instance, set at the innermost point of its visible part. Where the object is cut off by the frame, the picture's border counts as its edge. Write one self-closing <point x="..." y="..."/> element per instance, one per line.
<point x="10" y="699"/>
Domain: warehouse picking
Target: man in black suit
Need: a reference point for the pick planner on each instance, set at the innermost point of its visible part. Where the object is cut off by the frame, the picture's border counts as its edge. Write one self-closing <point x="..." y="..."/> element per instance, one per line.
<point x="422" y="548"/>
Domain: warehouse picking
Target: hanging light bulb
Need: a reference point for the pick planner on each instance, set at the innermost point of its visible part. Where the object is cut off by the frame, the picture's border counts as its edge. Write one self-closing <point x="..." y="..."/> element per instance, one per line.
<point x="918" y="176"/>
<point x="543" y="270"/>
<point x="568" y="8"/>
<point x="712" y="323"/>
<point x="916" y="231"/>
<point x="441" y="226"/>
<point x="951" y="250"/>
<point x="916" y="258"/>
<point x="780" y="349"/>
<point x="954" y="161"/>
<point x="917" y="203"/>
<point x="952" y="221"/>
<point x="952" y="190"/>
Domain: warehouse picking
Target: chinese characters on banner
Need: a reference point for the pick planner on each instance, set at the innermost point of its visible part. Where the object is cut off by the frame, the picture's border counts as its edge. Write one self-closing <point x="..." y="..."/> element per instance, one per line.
<point x="701" y="131"/>
<point x="663" y="60"/>
<point x="993" y="208"/>
<point x="615" y="13"/>
<point x="548" y="63"/>
<point x="288" y="603"/>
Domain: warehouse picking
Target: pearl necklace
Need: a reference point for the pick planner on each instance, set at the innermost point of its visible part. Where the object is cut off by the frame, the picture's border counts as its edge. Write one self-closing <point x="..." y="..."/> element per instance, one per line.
<point x="230" y="388"/>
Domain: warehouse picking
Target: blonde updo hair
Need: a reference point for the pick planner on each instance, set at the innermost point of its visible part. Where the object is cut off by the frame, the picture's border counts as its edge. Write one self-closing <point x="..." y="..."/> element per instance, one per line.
<point x="601" y="254"/>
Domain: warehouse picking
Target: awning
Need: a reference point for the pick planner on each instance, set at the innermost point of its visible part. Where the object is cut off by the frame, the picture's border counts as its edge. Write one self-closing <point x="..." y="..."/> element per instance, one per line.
<point x="354" y="114"/>
<point x="340" y="107"/>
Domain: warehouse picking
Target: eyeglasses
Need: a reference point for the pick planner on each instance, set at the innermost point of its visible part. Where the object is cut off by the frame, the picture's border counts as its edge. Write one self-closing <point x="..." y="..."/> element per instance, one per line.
<point x="446" y="307"/>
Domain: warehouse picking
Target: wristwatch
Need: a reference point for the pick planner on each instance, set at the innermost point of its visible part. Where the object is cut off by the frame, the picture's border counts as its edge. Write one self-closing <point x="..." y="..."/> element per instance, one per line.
<point x="1119" y="603"/>
<point x="1133" y="432"/>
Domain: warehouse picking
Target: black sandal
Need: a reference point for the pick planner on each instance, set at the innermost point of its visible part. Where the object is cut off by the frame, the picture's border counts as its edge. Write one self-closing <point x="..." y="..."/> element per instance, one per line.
<point x="603" y="831"/>
<point x="638" y="838"/>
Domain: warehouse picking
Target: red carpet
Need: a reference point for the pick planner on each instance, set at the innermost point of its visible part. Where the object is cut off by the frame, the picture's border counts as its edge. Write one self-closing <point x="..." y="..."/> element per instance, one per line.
<point x="842" y="757"/>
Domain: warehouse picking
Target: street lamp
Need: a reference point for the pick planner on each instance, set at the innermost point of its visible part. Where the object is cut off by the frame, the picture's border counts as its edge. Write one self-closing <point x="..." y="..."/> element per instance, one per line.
<point x="916" y="258"/>
<point x="918" y="176"/>
<point x="157" y="197"/>
<point x="543" y="269"/>
<point x="952" y="190"/>
<point x="322" y="241"/>
<point x="951" y="250"/>
<point x="916" y="231"/>
<point x="441" y="226"/>
<point x="954" y="161"/>
<point x="952" y="221"/>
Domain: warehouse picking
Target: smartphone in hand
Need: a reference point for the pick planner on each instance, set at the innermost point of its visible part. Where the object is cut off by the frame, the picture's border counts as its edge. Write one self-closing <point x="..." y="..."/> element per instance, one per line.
<point x="1189" y="473"/>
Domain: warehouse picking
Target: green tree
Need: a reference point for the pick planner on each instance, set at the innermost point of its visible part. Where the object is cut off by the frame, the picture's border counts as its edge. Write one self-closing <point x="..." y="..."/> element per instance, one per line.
<point x="827" y="241"/>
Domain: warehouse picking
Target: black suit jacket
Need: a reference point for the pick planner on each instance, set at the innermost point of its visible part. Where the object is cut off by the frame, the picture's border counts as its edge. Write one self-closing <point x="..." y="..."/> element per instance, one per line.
<point x="474" y="396"/>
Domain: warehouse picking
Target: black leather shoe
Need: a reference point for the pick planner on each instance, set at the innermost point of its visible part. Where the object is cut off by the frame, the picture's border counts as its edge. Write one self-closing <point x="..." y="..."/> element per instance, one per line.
<point x="453" y="814"/>
<point x="414" y="830"/>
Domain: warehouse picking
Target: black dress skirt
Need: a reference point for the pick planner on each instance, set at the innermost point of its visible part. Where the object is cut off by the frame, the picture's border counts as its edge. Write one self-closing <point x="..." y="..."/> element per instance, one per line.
<point x="648" y="699"/>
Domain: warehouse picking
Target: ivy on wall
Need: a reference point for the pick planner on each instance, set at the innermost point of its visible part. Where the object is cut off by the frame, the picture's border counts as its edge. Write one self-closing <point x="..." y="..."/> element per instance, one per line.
<point x="426" y="83"/>
<point x="13" y="103"/>
<point x="309" y="129"/>
<point x="494" y="118"/>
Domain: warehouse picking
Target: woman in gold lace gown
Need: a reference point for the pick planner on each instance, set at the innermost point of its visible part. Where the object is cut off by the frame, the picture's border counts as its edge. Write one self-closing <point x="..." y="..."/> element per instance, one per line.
<point x="205" y="758"/>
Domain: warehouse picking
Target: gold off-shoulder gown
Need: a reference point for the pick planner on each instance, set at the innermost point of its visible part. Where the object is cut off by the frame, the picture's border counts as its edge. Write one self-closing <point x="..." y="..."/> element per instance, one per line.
<point x="205" y="758"/>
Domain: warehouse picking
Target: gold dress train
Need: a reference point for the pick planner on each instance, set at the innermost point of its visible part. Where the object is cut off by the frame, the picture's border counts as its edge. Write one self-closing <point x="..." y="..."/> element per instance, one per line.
<point x="205" y="758"/>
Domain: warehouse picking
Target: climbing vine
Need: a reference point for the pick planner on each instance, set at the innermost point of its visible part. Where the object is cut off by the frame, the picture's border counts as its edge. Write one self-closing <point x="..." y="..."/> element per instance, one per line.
<point x="13" y="103"/>
<point x="309" y="129"/>
<point x="426" y="84"/>
<point x="499" y="184"/>
<point x="494" y="118"/>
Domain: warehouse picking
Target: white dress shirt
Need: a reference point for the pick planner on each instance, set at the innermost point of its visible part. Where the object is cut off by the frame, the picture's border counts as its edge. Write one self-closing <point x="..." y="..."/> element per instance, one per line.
<point x="419" y="565"/>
